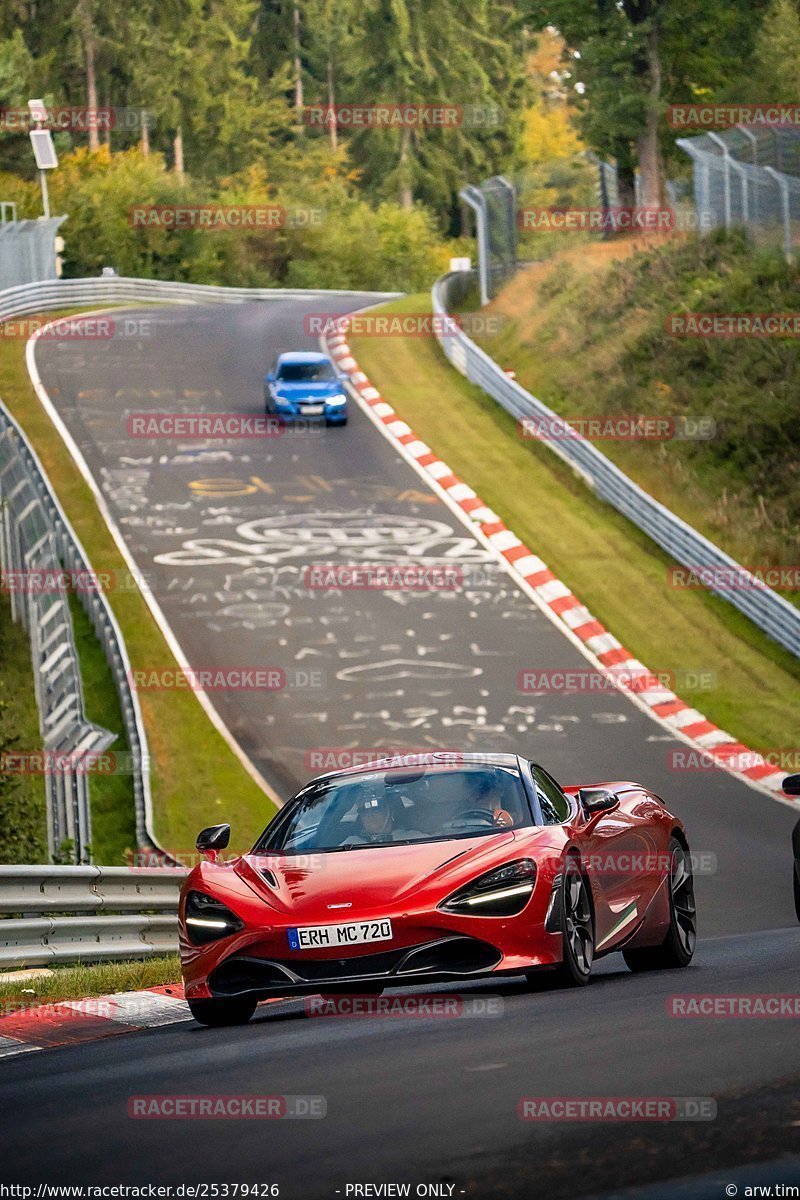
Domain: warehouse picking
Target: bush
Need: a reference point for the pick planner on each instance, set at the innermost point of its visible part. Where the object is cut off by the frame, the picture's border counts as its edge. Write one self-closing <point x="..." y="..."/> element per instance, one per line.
<point x="332" y="238"/>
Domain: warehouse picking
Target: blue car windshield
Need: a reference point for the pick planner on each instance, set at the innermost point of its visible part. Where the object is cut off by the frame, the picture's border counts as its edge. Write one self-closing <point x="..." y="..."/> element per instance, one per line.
<point x="382" y="808"/>
<point x="321" y="372"/>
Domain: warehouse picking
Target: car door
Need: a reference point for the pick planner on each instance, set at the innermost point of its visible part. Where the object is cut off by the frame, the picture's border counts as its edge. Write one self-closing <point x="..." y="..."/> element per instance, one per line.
<point x="620" y="853"/>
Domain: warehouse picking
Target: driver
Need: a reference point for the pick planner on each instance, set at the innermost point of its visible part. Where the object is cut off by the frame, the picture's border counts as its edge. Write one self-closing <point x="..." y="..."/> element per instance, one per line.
<point x="486" y="794"/>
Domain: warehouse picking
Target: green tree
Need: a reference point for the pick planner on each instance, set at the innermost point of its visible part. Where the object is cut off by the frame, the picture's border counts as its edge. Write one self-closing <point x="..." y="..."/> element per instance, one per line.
<point x="778" y="49"/>
<point x="411" y="52"/>
<point x="632" y="57"/>
<point x="330" y="26"/>
<point x="194" y="68"/>
<point x="17" y="74"/>
<point x="101" y="191"/>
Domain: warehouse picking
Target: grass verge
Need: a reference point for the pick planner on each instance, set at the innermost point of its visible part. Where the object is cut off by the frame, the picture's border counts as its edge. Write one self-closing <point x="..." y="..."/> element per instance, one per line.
<point x="111" y="797"/>
<point x="196" y="778"/>
<point x="98" y="979"/>
<point x="22" y="797"/>
<point x="611" y="566"/>
<point x="596" y="333"/>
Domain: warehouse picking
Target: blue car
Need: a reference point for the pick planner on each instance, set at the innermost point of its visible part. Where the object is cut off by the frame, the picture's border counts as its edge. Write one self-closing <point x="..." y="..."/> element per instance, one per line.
<point x="305" y="384"/>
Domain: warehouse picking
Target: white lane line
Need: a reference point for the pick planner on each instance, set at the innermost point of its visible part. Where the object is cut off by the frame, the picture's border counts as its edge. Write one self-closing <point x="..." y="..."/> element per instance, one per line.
<point x="10" y="1047"/>
<point x="149" y="599"/>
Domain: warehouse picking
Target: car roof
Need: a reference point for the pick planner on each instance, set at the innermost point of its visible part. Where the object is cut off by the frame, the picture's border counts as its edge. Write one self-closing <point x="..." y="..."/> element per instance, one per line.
<point x="436" y="758"/>
<point x="303" y="356"/>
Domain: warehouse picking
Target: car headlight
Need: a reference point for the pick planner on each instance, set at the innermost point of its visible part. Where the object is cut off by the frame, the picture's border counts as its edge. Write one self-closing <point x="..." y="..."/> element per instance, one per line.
<point x="208" y="919"/>
<point x="503" y="892"/>
<point x="336" y="401"/>
<point x="282" y="400"/>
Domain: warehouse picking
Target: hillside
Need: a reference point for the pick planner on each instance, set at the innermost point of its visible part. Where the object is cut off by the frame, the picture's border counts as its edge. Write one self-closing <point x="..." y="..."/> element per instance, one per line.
<point x="586" y="331"/>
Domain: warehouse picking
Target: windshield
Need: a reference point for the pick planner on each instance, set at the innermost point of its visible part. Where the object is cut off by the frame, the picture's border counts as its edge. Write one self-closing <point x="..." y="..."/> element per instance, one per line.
<point x="383" y="808"/>
<point x="321" y="372"/>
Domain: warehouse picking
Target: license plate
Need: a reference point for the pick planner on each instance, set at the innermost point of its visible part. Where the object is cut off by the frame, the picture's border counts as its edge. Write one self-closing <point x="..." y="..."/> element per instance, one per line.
<point x="313" y="937"/>
<point x="312" y="410"/>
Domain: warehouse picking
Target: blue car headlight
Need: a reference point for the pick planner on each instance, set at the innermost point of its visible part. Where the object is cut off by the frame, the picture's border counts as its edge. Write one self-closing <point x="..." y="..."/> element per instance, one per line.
<point x="336" y="401"/>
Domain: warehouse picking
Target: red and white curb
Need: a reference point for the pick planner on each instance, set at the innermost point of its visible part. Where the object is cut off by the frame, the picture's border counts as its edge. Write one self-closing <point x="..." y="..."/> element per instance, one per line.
<point x="66" y="1022"/>
<point x="554" y="597"/>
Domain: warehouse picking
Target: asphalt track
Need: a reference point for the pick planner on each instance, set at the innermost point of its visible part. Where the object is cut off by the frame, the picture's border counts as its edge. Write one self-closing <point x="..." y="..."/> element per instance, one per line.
<point x="224" y="533"/>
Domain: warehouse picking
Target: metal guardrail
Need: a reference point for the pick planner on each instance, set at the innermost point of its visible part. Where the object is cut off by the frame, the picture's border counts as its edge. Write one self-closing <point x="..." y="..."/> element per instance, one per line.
<point x="117" y="289"/>
<point x="34" y="537"/>
<point x="36" y="534"/>
<point x="765" y="608"/>
<point x="121" y="912"/>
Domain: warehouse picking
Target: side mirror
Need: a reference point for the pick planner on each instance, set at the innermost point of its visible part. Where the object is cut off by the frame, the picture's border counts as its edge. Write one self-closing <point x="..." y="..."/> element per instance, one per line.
<point x="791" y="785"/>
<point x="270" y="377"/>
<point x="210" y="841"/>
<point x="597" y="800"/>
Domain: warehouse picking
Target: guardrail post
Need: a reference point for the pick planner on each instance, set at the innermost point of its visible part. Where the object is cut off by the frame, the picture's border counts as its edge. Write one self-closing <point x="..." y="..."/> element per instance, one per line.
<point x="727" y="168"/>
<point x="783" y="187"/>
<point x="475" y="198"/>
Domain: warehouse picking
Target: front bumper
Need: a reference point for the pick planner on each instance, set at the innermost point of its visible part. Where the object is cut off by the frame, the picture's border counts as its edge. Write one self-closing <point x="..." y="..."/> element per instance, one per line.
<point x="331" y="416"/>
<point x="426" y="947"/>
<point x="293" y="410"/>
<point x="448" y="958"/>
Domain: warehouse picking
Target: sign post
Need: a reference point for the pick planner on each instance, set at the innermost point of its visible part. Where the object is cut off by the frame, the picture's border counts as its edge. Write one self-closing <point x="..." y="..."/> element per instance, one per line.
<point x="43" y="149"/>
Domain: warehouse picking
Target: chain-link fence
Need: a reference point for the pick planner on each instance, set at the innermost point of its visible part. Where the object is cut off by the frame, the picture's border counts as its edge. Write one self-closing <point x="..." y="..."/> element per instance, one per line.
<point x="501" y="207"/>
<point x="748" y="177"/>
<point x="494" y="203"/>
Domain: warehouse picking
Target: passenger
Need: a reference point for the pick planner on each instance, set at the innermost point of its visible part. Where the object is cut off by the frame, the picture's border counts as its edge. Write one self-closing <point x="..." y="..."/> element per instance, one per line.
<point x="376" y="823"/>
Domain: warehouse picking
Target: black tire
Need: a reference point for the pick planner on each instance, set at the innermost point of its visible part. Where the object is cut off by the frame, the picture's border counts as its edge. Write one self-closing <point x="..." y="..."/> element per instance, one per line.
<point x="577" y="931"/>
<point x="677" y="949"/>
<point x="236" y="1011"/>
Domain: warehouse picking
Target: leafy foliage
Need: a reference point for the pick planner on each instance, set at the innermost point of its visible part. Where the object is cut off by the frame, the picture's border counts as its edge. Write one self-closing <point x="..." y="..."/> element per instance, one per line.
<point x="224" y="83"/>
<point x="630" y="59"/>
<point x="330" y="235"/>
<point x="778" y="48"/>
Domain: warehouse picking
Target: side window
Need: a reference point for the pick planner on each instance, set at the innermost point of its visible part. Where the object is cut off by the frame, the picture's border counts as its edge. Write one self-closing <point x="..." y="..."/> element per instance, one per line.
<point x="555" y="806"/>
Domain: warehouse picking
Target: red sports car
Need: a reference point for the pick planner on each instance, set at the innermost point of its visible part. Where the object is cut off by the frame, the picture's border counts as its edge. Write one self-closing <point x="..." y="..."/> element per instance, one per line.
<point x="448" y="867"/>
